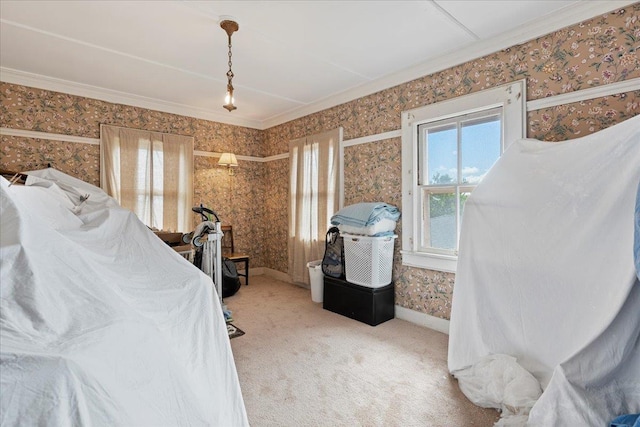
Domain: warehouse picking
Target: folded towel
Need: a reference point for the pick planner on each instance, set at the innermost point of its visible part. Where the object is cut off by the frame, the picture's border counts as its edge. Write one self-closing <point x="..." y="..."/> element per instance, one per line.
<point x="384" y="227"/>
<point x="629" y="420"/>
<point x="365" y="214"/>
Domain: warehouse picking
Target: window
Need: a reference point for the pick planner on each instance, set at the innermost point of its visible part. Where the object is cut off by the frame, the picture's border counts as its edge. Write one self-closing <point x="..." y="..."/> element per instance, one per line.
<point x="453" y="156"/>
<point x="149" y="173"/>
<point x="447" y="148"/>
<point x="313" y="198"/>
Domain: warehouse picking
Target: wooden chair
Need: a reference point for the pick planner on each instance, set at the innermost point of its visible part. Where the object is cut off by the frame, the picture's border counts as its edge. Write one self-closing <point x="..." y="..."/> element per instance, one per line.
<point x="228" y="251"/>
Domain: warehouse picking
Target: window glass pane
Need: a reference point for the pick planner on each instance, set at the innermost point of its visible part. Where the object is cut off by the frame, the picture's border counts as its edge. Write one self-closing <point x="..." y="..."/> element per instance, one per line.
<point x="440" y="214"/>
<point x="480" y="148"/>
<point x="442" y="155"/>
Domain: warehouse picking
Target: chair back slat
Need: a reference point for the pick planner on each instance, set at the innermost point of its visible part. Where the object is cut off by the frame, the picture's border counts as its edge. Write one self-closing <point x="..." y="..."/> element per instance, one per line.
<point x="227" y="239"/>
<point x="228" y="249"/>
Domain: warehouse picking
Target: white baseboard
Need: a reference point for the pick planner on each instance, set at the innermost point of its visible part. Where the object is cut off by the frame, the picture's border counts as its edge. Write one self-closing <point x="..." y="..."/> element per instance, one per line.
<point x="275" y="274"/>
<point x="254" y="271"/>
<point x="423" y="319"/>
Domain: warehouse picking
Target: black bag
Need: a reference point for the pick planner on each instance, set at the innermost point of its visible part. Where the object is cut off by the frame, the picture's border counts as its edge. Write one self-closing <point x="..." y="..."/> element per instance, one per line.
<point x="230" y="278"/>
<point x="333" y="260"/>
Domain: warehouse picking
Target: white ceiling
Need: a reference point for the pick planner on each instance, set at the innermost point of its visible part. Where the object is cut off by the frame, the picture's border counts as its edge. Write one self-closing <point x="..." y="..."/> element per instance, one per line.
<point x="290" y="58"/>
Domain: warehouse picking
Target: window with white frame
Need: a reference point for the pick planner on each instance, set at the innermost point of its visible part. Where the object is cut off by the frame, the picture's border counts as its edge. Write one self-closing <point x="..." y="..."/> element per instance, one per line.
<point x="447" y="148"/>
<point x="150" y="173"/>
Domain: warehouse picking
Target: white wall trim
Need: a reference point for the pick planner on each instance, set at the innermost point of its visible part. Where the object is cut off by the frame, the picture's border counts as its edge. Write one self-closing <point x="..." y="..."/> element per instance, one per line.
<point x="276" y="157"/>
<point x="96" y="141"/>
<point x="551" y="101"/>
<point x="537" y="104"/>
<point x="278" y="275"/>
<point x="373" y="138"/>
<point x="423" y="319"/>
<point x="437" y="262"/>
<point x="585" y="94"/>
<point x="49" y="136"/>
<point x="563" y="18"/>
<point x="206" y="153"/>
<point x="250" y="158"/>
<point x="24" y="78"/>
<point x="283" y="277"/>
<point x="258" y="271"/>
<point x="418" y="318"/>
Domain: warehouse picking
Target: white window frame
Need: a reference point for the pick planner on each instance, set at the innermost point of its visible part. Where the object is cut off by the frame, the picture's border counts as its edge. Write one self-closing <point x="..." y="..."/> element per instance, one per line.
<point x="511" y="97"/>
<point x="140" y="185"/>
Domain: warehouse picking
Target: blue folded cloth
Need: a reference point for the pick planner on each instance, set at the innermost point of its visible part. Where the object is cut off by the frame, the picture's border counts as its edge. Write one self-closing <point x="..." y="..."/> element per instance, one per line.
<point x="629" y="420"/>
<point x="365" y="214"/>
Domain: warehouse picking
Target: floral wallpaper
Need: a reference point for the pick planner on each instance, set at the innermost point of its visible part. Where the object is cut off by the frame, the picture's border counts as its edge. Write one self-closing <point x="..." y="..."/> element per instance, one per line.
<point x="599" y="51"/>
<point x="41" y="110"/>
<point x="596" y="52"/>
<point x="275" y="215"/>
<point x="24" y="154"/>
<point x="233" y="198"/>
<point x="577" y="119"/>
<point x="237" y="199"/>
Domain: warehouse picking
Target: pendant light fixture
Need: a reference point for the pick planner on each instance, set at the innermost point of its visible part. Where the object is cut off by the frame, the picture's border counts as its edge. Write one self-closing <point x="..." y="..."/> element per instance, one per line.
<point x="229" y="26"/>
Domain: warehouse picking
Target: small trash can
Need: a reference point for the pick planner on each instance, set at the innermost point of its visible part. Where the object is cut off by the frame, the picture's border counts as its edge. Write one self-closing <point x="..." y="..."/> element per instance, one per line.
<point x="316" y="279"/>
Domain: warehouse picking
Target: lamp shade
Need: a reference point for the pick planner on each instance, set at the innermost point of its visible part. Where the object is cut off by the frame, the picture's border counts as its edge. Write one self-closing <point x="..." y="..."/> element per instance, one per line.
<point x="228" y="160"/>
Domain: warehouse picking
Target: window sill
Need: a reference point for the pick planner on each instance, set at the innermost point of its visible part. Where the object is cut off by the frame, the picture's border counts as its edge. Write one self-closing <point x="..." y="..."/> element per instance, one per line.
<point x="435" y="262"/>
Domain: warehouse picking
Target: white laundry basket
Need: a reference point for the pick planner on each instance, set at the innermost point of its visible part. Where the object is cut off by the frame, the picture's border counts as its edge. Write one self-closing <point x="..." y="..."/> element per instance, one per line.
<point x="316" y="279"/>
<point x="368" y="260"/>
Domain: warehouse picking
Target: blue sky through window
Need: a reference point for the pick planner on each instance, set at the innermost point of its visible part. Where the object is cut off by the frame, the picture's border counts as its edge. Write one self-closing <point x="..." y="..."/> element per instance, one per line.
<point x="480" y="149"/>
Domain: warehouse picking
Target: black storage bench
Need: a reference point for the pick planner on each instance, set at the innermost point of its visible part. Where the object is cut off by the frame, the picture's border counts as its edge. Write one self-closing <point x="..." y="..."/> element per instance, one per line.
<point x="368" y="305"/>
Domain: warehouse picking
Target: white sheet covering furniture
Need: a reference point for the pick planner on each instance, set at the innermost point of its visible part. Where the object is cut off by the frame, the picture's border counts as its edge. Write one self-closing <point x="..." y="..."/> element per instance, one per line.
<point x="101" y="324"/>
<point x="546" y="274"/>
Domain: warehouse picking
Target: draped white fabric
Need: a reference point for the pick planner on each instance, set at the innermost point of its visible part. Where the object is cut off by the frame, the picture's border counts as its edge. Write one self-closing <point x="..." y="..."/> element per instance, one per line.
<point x="149" y="173"/>
<point x="313" y="198"/>
<point x="546" y="274"/>
<point x="101" y="323"/>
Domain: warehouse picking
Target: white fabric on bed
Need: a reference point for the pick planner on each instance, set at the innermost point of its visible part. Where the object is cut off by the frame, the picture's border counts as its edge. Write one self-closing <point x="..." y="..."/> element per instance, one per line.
<point x="546" y="274"/>
<point x="104" y="324"/>
<point x="53" y="210"/>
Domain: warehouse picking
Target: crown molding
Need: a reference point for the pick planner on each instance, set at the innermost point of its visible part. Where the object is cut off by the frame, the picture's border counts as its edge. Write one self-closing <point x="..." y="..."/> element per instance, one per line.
<point x="572" y="15"/>
<point x="569" y="16"/>
<point x="39" y="81"/>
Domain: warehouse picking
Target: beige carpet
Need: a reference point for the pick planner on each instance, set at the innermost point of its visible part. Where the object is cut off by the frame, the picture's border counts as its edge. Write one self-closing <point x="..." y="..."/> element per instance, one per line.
<point x="301" y="365"/>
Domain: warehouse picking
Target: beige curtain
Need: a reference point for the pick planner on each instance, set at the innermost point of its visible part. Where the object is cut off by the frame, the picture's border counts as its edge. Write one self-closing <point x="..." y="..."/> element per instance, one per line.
<point x="150" y="173"/>
<point x="313" y="198"/>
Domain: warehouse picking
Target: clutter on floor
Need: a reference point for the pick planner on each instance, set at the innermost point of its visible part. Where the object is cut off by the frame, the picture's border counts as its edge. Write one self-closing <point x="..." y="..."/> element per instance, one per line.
<point x="372" y="306"/>
<point x="234" y="331"/>
<point x="358" y="263"/>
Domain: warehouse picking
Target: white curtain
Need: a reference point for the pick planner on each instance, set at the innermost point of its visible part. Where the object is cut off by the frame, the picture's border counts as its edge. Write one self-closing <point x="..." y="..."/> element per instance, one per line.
<point x="150" y="173"/>
<point x="313" y="198"/>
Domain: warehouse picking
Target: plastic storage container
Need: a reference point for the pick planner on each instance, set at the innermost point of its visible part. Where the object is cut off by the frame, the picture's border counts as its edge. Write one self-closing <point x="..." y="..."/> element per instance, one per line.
<point x="365" y="304"/>
<point x="368" y="260"/>
<point x="316" y="279"/>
